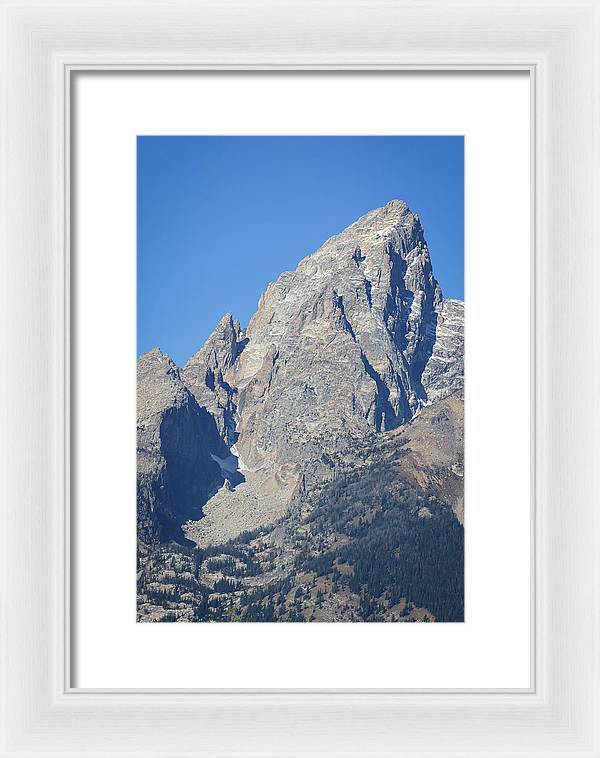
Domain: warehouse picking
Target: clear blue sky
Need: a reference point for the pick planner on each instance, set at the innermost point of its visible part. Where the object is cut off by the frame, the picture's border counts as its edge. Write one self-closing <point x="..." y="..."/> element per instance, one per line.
<point x="220" y="217"/>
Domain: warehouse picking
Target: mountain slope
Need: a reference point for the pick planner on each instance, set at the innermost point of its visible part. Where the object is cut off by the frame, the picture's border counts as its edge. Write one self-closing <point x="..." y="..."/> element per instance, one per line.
<point x="378" y="541"/>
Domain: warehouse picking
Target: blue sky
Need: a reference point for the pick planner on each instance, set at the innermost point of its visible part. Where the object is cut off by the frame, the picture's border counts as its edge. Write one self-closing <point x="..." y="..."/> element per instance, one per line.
<point x="220" y="217"/>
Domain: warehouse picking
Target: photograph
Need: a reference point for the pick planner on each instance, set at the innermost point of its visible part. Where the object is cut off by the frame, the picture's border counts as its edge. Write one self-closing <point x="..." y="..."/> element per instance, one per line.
<point x="300" y="379"/>
<point x="301" y="348"/>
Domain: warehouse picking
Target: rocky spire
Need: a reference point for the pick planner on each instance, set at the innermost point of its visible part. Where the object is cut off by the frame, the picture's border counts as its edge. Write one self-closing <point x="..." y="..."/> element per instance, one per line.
<point x="339" y="345"/>
<point x="205" y="374"/>
<point x="175" y="439"/>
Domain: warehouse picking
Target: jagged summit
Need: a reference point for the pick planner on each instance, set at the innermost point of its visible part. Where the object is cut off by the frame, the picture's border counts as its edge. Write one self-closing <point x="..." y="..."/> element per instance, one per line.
<point x="227" y="323"/>
<point x="390" y="213"/>
<point x="158" y="382"/>
<point x="380" y="221"/>
<point x="393" y="205"/>
<point x="205" y="374"/>
<point x="341" y="342"/>
<point x="154" y="353"/>
<point x="221" y="348"/>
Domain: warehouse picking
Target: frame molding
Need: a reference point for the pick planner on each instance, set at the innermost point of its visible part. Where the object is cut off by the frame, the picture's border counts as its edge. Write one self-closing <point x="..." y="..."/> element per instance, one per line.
<point x="559" y="43"/>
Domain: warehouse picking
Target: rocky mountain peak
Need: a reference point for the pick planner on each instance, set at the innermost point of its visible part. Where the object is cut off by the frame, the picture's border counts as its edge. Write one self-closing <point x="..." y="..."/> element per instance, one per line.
<point x="159" y="383"/>
<point x="344" y="338"/>
<point x="206" y="371"/>
<point x="395" y="220"/>
<point x="220" y="350"/>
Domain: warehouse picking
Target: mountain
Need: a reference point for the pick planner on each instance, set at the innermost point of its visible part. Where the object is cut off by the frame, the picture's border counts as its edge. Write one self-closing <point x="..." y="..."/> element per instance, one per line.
<point x="352" y="348"/>
<point x="444" y="372"/>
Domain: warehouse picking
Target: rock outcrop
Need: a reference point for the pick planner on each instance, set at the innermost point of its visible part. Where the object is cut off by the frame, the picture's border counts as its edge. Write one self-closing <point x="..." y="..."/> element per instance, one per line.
<point x="205" y="373"/>
<point x="175" y="439"/>
<point x="444" y="372"/>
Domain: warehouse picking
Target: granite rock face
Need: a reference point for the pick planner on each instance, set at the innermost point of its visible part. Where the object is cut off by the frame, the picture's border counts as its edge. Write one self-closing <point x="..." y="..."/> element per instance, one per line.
<point x="444" y="372"/>
<point x="205" y="373"/>
<point x="338" y="346"/>
<point x="175" y="439"/>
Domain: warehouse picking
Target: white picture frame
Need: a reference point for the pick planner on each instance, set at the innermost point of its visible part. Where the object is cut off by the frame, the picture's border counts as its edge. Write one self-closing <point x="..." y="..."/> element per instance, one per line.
<point x="44" y="43"/>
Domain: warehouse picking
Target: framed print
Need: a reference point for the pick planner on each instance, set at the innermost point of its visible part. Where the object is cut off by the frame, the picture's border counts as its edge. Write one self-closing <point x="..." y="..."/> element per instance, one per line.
<point x="300" y="356"/>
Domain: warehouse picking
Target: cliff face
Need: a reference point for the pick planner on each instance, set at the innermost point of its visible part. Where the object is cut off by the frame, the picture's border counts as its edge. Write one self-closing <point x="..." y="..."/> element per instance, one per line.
<point x="355" y="342"/>
<point x="205" y="372"/>
<point x="338" y="346"/>
<point x="445" y="369"/>
<point x="175" y="439"/>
